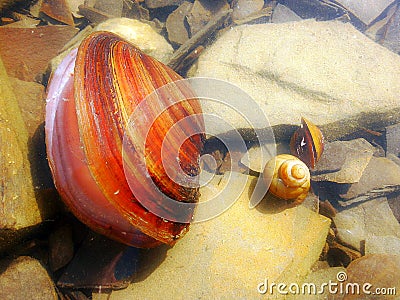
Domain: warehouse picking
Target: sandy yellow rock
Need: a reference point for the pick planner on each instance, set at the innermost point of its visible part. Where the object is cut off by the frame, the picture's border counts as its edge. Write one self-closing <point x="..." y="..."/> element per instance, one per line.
<point x="229" y="255"/>
<point x="22" y="206"/>
<point x="315" y="286"/>
<point x="19" y="207"/>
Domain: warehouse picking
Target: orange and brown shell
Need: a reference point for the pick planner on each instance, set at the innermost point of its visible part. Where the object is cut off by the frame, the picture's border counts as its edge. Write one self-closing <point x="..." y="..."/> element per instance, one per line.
<point x="90" y="98"/>
<point x="307" y="143"/>
<point x="288" y="176"/>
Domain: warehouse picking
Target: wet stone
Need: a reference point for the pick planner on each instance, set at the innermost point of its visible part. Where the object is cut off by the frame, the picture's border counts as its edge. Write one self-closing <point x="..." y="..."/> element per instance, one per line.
<point x="379" y="270"/>
<point x="24" y="23"/>
<point x="259" y="17"/>
<point x="393" y="158"/>
<point x="235" y="251"/>
<point x="74" y="6"/>
<point x="134" y="10"/>
<point x="283" y="14"/>
<point x="382" y="244"/>
<point x="193" y="45"/>
<point x="394" y="203"/>
<point x="101" y="263"/>
<point x="377" y="30"/>
<point x="26" y="52"/>
<point x="113" y="8"/>
<point x="340" y="255"/>
<point x="392" y="34"/>
<point x="54" y="11"/>
<point x="161" y="3"/>
<point x="176" y="24"/>
<point x="61" y="247"/>
<point x="380" y="178"/>
<point x="25" y="278"/>
<point x="202" y="12"/>
<point x="21" y="208"/>
<point x="94" y="15"/>
<point x="365" y="10"/>
<point x="30" y="97"/>
<point x="371" y="218"/>
<point x="392" y="139"/>
<point x="7" y="3"/>
<point x="257" y="157"/>
<point x="343" y="161"/>
<point x="244" y="8"/>
<point x="331" y="87"/>
<point x="315" y="9"/>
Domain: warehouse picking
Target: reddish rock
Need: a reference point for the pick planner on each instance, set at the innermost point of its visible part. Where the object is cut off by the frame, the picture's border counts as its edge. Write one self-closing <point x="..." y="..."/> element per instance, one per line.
<point x="57" y="10"/>
<point x="26" y="52"/>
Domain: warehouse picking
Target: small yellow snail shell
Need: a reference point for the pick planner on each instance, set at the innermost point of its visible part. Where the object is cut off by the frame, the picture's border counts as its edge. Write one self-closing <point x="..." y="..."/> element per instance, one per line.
<point x="289" y="178"/>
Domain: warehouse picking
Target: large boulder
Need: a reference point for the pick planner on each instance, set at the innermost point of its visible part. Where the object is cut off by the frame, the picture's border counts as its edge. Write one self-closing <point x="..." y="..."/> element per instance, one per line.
<point x="328" y="72"/>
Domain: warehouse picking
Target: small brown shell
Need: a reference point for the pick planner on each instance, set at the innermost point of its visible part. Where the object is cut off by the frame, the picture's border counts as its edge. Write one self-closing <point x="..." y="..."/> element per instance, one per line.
<point x="307" y="143"/>
<point x="289" y="177"/>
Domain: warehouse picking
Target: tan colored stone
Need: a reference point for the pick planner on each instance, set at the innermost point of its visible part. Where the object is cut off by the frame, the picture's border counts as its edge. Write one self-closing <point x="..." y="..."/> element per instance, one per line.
<point x="202" y="12"/>
<point x="315" y="283"/>
<point x="25" y="278"/>
<point x="176" y="24"/>
<point x="372" y="218"/>
<point x="382" y="244"/>
<point x="228" y="256"/>
<point x="365" y="10"/>
<point x="257" y="157"/>
<point x="23" y="206"/>
<point x="19" y="208"/>
<point x="378" y="271"/>
<point x="380" y="178"/>
<point x="31" y="100"/>
<point x="327" y="72"/>
<point x="244" y="8"/>
<point x="343" y="161"/>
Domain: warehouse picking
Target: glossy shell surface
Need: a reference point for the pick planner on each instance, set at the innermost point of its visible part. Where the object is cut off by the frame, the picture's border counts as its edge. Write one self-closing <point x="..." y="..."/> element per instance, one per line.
<point x="289" y="177"/>
<point x="91" y="97"/>
<point x="307" y="143"/>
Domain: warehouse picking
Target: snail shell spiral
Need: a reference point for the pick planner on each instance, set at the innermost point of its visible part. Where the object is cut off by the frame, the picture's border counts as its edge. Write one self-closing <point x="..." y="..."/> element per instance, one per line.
<point x="289" y="177"/>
